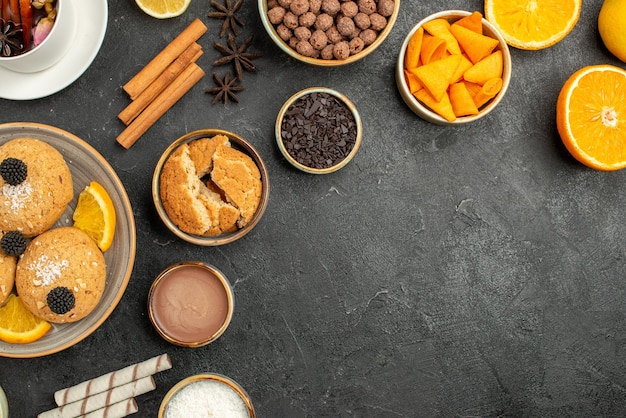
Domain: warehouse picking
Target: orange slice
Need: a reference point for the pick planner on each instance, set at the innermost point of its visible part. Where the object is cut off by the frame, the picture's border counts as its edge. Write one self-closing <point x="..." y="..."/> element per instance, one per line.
<point x="95" y="215"/>
<point x="18" y="325"/>
<point x="533" y="24"/>
<point x="591" y="114"/>
<point x="163" y="9"/>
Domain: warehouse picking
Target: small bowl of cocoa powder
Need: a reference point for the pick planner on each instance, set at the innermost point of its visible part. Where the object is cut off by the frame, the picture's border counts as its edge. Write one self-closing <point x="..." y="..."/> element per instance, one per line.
<point x="328" y="32"/>
<point x="318" y="130"/>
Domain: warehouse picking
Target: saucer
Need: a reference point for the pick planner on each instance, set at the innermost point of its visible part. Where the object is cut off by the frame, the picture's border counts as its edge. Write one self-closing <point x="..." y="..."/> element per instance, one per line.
<point x="90" y="30"/>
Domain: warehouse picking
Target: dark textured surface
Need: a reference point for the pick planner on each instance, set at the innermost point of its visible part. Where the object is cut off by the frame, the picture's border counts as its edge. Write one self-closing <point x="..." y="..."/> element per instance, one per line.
<point x="467" y="271"/>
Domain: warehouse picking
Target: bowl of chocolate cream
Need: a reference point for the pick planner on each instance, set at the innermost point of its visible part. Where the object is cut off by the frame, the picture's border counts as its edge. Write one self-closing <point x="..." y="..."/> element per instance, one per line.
<point x="190" y="304"/>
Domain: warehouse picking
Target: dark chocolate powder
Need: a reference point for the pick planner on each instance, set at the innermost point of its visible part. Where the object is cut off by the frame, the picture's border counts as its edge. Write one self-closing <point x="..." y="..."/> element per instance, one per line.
<point x="318" y="130"/>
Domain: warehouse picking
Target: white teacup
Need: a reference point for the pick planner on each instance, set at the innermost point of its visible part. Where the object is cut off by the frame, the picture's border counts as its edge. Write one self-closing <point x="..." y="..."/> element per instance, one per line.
<point x="50" y="50"/>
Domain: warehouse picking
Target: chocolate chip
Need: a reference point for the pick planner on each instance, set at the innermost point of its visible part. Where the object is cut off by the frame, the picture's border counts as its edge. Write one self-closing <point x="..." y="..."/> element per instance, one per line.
<point x="318" y="130"/>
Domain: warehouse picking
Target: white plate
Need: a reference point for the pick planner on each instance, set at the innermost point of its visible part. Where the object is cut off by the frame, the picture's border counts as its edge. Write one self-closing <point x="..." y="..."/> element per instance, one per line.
<point x="90" y="29"/>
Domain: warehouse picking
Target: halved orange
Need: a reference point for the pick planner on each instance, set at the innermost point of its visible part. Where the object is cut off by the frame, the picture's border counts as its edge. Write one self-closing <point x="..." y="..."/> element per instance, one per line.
<point x="18" y="325"/>
<point x="591" y="116"/>
<point x="163" y="9"/>
<point x="533" y="24"/>
<point x="95" y="215"/>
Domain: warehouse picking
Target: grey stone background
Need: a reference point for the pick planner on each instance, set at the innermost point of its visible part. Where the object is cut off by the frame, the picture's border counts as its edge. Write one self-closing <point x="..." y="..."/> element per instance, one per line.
<point x="445" y="272"/>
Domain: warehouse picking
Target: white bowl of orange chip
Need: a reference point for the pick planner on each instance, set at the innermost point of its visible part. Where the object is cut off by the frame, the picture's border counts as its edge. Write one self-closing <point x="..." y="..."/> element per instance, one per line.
<point x="454" y="67"/>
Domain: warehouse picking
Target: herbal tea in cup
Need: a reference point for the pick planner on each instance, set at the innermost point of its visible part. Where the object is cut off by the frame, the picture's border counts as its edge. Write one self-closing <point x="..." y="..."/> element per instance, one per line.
<point x="34" y="34"/>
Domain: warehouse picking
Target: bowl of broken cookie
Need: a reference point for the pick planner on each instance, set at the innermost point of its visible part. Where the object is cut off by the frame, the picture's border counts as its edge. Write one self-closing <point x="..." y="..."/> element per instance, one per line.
<point x="210" y="187"/>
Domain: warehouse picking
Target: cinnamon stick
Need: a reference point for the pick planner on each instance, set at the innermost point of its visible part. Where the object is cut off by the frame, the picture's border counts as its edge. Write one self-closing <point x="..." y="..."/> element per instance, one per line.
<point x="155" y="67"/>
<point x="189" y="55"/>
<point x="161" y="104"/>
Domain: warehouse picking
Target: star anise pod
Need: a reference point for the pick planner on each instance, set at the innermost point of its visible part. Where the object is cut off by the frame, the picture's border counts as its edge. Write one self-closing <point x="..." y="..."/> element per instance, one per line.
<point x="11" y="38"/>
<point x="237" y="54"/>
<point x="225" y="88"/>
<point x="227" y="12"/>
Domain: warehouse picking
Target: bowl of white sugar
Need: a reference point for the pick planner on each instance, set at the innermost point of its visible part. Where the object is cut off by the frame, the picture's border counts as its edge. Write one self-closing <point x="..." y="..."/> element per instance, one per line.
<point x="206" y="395"/>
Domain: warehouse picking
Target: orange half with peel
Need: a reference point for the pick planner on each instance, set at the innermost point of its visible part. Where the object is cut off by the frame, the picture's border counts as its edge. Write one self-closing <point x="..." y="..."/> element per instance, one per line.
<point x="591" y="116"/>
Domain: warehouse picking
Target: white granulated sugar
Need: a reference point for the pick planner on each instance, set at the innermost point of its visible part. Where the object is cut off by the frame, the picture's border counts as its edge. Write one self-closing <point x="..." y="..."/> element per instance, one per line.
<point x="204" y="399"/>
<point x="48" y="270"/>
<point x="17" y="195"/>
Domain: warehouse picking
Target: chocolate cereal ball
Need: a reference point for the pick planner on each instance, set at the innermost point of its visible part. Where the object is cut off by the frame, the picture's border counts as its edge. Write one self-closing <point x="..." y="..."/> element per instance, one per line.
<point x="285" y="3"/>
<point x="276" y="15"/>
<point x="319" y="40"/>
<point x="299" y="7"/>
<point x="307" y="20"/>
<point x="327" y="52"/>
<point x="290" y="20"/>
<point x="324" y="21"/>
<point x="378" y="21"/>
<point x="367" y="6"/>
<point x="271" y="4"/>
<point x="349" y="9"/>
<point x="284" y="32"/>
<point x="356" y="45"/>
<point x="368" y="36"/>
<point x="362" y="21"/>
<point x="332" y="7"/>
<point x="345" y="26"/>
<point x="333" y="35"/>
<point x="302" y="33"/>
<point x="315" y="6"/>
<point x="305" y="48"/>
<point x="341" y="50"/>
<point x="385" y="7"/>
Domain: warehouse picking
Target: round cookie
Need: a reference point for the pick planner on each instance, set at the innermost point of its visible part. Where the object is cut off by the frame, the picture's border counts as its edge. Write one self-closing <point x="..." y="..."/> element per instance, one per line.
<point x="61" y="275"/>
<point x="7" y="275"/>
<point x="34" y="204"/>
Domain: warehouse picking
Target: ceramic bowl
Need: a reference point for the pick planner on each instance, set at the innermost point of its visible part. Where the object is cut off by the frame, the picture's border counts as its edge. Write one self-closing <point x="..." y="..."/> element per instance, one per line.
<point x="85" y="164"/>
<point x="4" y="405"/>
<point x="286" y="110"/>
<point x="417" y="106"/>
<point x="53" y="47"/>
<point x="196" y="295"/>
<point x="286" y="48"/>
<point x="236" y="142"/>
<point x="223" y="385"/>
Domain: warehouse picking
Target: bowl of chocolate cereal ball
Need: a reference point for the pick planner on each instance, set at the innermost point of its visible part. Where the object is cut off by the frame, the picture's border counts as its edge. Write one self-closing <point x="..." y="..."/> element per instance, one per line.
<point x="454" y="67"/>
<point x="328" y="32"/>
<point x="210" y="187"/>
<point x="318" y="130"/>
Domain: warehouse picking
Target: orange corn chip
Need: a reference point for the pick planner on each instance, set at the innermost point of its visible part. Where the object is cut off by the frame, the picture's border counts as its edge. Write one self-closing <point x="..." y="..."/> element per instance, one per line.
<point x="473" y="88"/>
<point x="464" y="65"/>
<point x="433" y="48"/>
<point x="442" y="107"/>
<point x="485" y="69"/>
<point x="488" y="91"/>
<point x="461" y="100"/>
<point x="413" y="48"/>
<point x="412" y="81"/>
<point x="473" y="22"/>
<point x="476" y="46"/>
<point x="436" y="76"/>
<point x="440" y="28"/>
